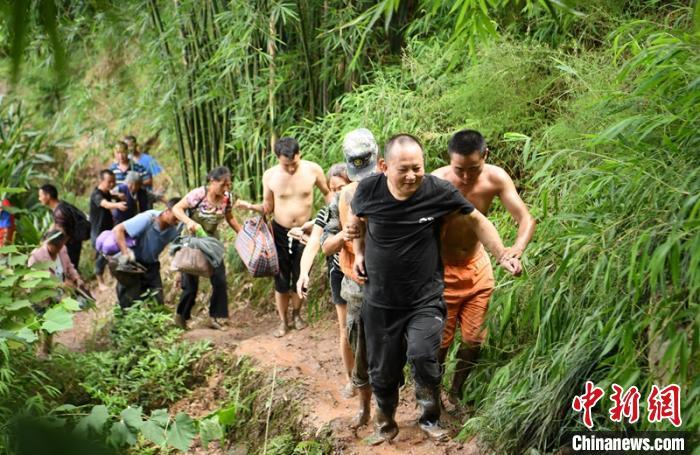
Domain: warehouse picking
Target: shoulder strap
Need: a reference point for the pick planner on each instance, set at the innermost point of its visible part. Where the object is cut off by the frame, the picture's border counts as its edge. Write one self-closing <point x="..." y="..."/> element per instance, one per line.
<point x="206" y="189"/>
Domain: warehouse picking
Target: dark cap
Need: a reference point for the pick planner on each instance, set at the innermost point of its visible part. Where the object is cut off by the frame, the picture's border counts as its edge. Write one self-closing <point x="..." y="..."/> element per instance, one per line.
<point x="360" y="150"/>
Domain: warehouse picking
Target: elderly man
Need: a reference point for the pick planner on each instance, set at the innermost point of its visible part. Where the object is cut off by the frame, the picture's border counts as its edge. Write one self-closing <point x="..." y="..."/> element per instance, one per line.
<point x="137" y="198"/>
<point x="400" y="212"/>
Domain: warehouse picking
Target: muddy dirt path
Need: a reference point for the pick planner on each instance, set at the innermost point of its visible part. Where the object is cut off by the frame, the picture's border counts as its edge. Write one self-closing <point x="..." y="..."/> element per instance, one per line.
<point x="310" y="357"/>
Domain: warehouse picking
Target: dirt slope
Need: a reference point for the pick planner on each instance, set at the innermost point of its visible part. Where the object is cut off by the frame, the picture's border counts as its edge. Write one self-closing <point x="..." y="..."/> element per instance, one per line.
<point x="309" y="357"/>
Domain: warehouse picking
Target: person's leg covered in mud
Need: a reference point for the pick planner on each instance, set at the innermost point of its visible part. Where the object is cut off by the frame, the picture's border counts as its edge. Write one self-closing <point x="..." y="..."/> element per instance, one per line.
<point x="386" y="356"/>
<point x="356" y="338"/>
<point x="190" y="285"/>
<point x="424" y="329"/>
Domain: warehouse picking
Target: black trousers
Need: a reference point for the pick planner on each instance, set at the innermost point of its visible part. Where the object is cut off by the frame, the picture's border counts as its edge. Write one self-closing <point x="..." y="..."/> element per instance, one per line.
<point x="218" y="305"/>
<point x="394" y="336"/>
<point x="74" y="248"/>
<point x="132" y="287"/>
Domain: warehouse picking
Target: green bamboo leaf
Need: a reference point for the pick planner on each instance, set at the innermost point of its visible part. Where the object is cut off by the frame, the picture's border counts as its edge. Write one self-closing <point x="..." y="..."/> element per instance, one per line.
<point x="181" y="432"/>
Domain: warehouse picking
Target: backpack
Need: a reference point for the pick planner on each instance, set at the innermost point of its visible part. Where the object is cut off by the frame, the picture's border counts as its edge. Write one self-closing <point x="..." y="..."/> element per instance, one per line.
<point x="81" y="224"/>
<point x="256" y="247"/>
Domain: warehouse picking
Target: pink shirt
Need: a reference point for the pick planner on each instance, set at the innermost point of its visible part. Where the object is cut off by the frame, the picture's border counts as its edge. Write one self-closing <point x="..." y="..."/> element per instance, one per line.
<point x="41" y="254"/>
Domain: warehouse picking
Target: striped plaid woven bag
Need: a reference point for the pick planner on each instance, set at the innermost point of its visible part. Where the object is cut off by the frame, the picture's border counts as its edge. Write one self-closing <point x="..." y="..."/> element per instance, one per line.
<point x="256" y="247"/>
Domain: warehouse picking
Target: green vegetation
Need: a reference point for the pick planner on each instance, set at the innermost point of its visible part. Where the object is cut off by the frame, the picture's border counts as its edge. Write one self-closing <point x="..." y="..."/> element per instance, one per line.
<point x="592" y="107"/>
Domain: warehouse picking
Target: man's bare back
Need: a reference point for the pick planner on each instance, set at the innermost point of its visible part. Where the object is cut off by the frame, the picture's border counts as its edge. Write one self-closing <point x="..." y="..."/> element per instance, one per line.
<point x="459" y="242"/>
<point x="291" y="195"/>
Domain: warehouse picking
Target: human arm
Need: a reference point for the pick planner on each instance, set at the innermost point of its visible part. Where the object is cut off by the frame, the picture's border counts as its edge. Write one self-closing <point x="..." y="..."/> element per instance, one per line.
<point x="358" y="246"/>
<point x="71" y="274"/>
<point x="179" y="210"/>
<point x="119" y="232"/>
<point x="307" y="260"/>
<point x="105" y="204"/>
<point x="232" y="221"/>
<point x="333" y="243"/>
<point x="518" y="210"/>
<point x="488" y="235"/>
<point x="268" y="204"/>
<point x="322" y="184"/>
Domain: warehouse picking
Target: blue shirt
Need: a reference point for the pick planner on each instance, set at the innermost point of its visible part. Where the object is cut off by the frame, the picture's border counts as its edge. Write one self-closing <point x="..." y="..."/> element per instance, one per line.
<point x="150" y="240"/>
<point x="148" y="162"/>
<point x="120" y="175"/>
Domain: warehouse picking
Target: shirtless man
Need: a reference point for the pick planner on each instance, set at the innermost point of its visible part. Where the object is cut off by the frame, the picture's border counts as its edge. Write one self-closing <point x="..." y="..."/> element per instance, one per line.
<point x="288" y="195"/>
<point x="467" y="270"/>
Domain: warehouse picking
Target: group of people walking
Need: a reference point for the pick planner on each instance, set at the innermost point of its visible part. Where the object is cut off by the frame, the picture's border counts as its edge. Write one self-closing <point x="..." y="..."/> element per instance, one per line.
<point x="406" y="253"/>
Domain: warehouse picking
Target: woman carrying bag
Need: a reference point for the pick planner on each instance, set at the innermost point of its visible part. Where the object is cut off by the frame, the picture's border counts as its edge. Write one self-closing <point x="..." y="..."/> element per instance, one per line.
<point x="204" y="208"/>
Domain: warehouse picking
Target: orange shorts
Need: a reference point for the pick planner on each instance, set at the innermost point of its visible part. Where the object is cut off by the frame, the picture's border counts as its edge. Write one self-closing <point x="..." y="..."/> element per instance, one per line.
<point x="468" y="288"/>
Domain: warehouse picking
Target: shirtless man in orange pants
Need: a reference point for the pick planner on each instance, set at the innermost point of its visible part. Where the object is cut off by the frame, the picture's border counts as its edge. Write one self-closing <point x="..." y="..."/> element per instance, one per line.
<point x="467" y="269"/>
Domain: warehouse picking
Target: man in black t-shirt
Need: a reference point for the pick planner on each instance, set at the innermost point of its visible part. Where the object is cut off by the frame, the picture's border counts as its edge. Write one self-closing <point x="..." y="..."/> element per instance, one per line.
<point x="399" y="214"/>
<point x="63" y="219"/>
<point x="101" y="206"/>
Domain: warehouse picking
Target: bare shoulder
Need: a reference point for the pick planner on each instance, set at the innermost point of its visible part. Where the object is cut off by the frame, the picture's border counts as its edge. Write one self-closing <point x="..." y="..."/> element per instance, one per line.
<point x="441" y="172"/>
<point x="312" y="166"/>
<point x="348" y="192"/>
<point x="497" y="175"/>
<point x="270" y="173"/>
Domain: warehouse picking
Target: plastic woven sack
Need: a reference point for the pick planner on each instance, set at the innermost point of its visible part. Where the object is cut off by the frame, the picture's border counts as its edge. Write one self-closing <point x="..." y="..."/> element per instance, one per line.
<point x="256" y="247"/>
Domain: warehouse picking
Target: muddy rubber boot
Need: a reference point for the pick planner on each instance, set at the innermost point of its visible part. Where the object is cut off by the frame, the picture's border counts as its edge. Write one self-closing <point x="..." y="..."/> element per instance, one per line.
<point x="212" y="323"/>
<point x="429" y="400"/>
<point x="298" y="323"/>
<point x="466" y="359"/>
<point x="362" y="417"/>
<point x="385" y="427"/>
<point x="281" y="330"/>
<point x="180" y="321"/>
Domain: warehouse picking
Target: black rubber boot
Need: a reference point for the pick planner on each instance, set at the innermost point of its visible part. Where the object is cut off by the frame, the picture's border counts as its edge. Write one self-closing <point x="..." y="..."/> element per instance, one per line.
<point x="442" y="355"/>
<point x="385" y="427"/>
<point x="466" y="359"/>
<point x="362" y="417"/>
<point x="428" y="399"/>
